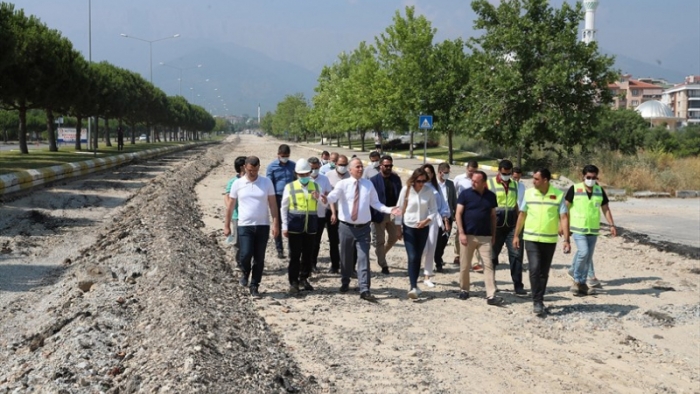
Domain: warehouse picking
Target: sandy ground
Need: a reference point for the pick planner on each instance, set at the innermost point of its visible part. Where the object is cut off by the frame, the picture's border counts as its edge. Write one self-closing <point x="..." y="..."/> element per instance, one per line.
<point x="641" y="334"/>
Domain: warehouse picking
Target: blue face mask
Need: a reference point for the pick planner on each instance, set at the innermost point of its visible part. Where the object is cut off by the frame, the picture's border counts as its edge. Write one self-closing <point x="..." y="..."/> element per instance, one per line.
<point x="304" y="180"/>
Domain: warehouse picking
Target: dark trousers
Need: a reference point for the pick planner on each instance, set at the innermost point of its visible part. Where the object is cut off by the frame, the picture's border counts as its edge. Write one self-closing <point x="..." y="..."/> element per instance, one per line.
<point x="252" y="241"/>
<point x="301" y="247"/>
<point x="334" y="241"/>
<point x="443" y="238"/>
<point x="317" y="241"/>
<point x="504" y="235"/>
<point x="278" y="239"/>
<point x="540" y="255"/>
<point x="414" y="239"/>
<point x="354" y="247"/>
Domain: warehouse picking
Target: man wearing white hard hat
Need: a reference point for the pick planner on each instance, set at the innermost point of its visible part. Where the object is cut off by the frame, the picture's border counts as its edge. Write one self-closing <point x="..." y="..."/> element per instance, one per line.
<point x="299" y="214"/>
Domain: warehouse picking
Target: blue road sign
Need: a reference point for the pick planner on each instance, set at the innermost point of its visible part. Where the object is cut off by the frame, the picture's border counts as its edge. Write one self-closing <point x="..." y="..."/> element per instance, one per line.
<point x="425" y="122"/>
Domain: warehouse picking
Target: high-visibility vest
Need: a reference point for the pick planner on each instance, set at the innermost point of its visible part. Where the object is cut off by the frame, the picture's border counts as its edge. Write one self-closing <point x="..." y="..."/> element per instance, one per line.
<point x="542" y="221"/>
<point x="303" y="209"/>
<point x="507" y="202"/>
<point x="584" y="212"/>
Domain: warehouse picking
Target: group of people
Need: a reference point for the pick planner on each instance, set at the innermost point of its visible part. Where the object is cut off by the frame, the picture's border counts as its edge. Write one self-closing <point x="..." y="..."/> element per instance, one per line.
<point x="360" y="207"/>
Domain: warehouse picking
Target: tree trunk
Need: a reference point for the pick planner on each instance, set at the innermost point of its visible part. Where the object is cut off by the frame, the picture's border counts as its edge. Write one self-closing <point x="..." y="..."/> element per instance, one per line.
<point x="132" y="126"/>
<point x="95" y="144"/>
<point x="520" y="157"/>
<point x="78" y="130"/>
<point x="362" y="139"/>
<point x="50" y="131"/>
<point x="23" y="130"/>
<point x="108" y="142"/>
<point x="349" y="139"/>
<point x="450" y="155"/>
<point x="410" y="146"/>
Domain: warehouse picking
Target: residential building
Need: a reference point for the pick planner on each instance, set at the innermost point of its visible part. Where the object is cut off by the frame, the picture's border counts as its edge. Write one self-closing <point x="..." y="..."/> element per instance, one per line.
<point x="630" y="93"/>
<point x="684" y="100"/>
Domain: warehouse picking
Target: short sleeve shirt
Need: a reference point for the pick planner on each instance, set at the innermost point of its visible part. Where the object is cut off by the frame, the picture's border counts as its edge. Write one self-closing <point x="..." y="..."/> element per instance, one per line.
<point x="228" y="191"/>
<point x="252" y="199"/>
<point x="476" y="217"/>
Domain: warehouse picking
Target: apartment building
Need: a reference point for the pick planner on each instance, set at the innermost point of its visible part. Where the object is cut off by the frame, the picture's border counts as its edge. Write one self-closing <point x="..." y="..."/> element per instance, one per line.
<point x="684" y="100"/>
<point x="630" y="93"/>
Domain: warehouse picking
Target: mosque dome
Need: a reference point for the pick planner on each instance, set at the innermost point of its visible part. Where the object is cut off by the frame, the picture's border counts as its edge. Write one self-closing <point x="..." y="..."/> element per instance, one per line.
<point x="654" y="109"/>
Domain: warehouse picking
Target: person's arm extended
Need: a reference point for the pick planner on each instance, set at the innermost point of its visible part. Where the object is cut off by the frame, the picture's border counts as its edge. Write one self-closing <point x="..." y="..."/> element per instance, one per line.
<point x="608" y="216"/>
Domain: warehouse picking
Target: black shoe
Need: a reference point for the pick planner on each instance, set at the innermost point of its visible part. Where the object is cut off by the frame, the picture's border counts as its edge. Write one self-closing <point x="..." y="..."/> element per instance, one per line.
<point x="344" y="288"/>
<point x="495" y="301"/>
<point x="306" y="285"/>
<point x="439" y="269"/>
<point x="315" y="269"/>
<point x="520" y="291"/>
<point x="254" y="292"/>
<point x="463" y="295"/>
<point x="244" y="280"/>
<point x="367" y="296"/>
<point x="385" y="270"/>
<point x="538" y="309"/>
<point x="354" y="274"/>
<point x="280" y="254"/>
<point x="332" y="270"/>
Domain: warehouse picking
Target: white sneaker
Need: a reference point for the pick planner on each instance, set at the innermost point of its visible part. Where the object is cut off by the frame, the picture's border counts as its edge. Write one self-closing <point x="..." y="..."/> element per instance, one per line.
<point x="428" y="283"/>
<point x="414" y="293"/>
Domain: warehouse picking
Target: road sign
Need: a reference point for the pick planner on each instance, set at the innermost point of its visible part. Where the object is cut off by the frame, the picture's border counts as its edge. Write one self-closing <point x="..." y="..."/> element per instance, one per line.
<point x="425" y="122"/>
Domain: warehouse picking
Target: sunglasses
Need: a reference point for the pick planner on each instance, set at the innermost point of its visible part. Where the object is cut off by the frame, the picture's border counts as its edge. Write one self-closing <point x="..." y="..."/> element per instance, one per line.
<point x="591" y="178"/>
<point x="421" y="181"/>
<point x="387" y="165"/>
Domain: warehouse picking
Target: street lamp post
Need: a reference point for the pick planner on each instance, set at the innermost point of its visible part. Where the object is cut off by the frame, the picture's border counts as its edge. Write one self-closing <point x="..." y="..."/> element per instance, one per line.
<point x="180" y="69"/>
<point x="150" y="47"/>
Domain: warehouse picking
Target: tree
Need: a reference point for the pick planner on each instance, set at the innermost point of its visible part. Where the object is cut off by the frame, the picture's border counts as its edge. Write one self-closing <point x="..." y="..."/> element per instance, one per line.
<point x="533" y="81"/>
<point x="290" y="116"/>
<point x="405" y="50"/>
<point x="621" y="130"/>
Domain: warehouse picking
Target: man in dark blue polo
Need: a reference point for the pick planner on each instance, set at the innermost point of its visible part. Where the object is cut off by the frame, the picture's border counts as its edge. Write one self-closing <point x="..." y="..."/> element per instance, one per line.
<point x="281" y="172"/>
<point x="476" y="226"/>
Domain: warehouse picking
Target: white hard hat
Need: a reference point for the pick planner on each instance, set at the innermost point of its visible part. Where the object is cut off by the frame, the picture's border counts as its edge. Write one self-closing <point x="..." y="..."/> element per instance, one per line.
<point x="302" y="166"/>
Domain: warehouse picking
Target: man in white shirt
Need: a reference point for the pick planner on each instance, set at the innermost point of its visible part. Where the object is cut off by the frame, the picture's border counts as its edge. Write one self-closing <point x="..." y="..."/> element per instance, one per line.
<point x="517" y="174"/>
<point x="256" y="202"/>
<point x="324" y="187"/>
<point x="463" y="182"/>
<point x="330" y="165"/>
<point x="339" y="173"/>
<point x="354" y="197"/>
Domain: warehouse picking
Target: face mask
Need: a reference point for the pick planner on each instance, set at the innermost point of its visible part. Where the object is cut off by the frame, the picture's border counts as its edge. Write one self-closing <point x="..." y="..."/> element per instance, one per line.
<point x="342" y="170"/>
<point x="304" y="180"/>
<point x="284" y="159"/>
<point x="505" y="178"/>
<point x="324" y="162"/>
<point x="314" y="173"/>
<point x="445" y="175"/>
<point x="589" y="182"/>
<point x="375" y="164"/>
<point x="332" y="166"/>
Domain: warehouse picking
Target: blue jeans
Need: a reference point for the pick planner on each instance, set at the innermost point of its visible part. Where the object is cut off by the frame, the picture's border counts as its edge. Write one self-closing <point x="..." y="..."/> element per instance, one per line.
<point x="582" y="265"/>
<point x="504" y="236"/>
<point x="414" y="240"/>
<point x="252" y="242"/>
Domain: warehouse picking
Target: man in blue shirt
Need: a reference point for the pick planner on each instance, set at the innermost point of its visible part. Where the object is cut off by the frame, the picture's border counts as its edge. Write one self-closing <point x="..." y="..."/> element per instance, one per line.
<point x="281" y="172"/>
<point x="476" y="226"/>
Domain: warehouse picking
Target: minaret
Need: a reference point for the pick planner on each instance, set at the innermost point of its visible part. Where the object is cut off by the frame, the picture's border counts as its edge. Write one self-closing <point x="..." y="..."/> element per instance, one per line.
<point x="589" y="31"/>
<point x="258" y="113"/>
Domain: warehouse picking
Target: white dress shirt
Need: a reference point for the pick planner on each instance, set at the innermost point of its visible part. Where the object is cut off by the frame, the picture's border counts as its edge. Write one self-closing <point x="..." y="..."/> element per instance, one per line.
<point x="421" y="205"/>
<point x="324" y="187"/>
<point x="344" y="194"/>
<point x="462" y="182"/>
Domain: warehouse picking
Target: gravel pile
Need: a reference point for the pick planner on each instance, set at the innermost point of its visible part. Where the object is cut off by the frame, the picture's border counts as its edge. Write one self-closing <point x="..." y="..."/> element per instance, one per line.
<point x="151" y="307"/>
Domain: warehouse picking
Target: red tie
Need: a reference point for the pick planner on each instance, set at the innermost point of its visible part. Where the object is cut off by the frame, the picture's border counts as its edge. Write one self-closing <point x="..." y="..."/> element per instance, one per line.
<point x="355" y="202"/>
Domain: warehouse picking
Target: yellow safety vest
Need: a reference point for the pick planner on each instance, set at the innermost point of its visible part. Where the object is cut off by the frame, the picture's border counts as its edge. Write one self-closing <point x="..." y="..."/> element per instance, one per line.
<point x="585" y="212"/>
<point x="542" y="221"/>
<point x="507" y="202"/>
<point x="303" y="212"/>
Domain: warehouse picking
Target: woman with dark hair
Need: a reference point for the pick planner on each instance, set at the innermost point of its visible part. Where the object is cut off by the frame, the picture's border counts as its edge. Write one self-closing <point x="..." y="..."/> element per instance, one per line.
<point x="418" y="207"/>
<point x="437" y="224"/>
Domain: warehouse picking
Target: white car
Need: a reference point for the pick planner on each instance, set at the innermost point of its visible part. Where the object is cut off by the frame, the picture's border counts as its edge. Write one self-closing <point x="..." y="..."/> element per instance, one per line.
<point x="143" y="137"/>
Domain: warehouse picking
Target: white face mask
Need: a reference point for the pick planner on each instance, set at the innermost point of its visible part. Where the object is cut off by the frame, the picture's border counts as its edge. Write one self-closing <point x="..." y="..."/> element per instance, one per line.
<point x="505" y="178"/>
<point x="284" y="159"/>
<point x="445" y="175"/>
<point x="375" y="164"/>
<point x="314" y="173"/>
<point x="341" y="169"/>
<point x="589" y="182"/>
<point x="324" y="162"/>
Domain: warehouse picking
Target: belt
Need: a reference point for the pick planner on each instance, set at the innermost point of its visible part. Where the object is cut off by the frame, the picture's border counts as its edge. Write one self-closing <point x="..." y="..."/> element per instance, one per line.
<point x="354" y="225"/>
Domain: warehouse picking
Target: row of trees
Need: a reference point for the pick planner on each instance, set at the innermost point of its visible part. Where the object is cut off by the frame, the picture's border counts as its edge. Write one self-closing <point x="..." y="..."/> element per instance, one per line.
<point x="40" y="69"/>
<point x="526" y="81"/>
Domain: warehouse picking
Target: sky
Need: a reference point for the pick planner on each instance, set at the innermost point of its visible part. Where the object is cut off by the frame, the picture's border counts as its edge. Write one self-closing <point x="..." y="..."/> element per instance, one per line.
<point x="311" y="33"/>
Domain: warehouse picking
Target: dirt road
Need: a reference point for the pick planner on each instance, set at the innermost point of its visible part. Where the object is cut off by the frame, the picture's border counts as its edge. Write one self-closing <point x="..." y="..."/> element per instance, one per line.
<point x="641" y="334"/>
<point x="164" y="314"/>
